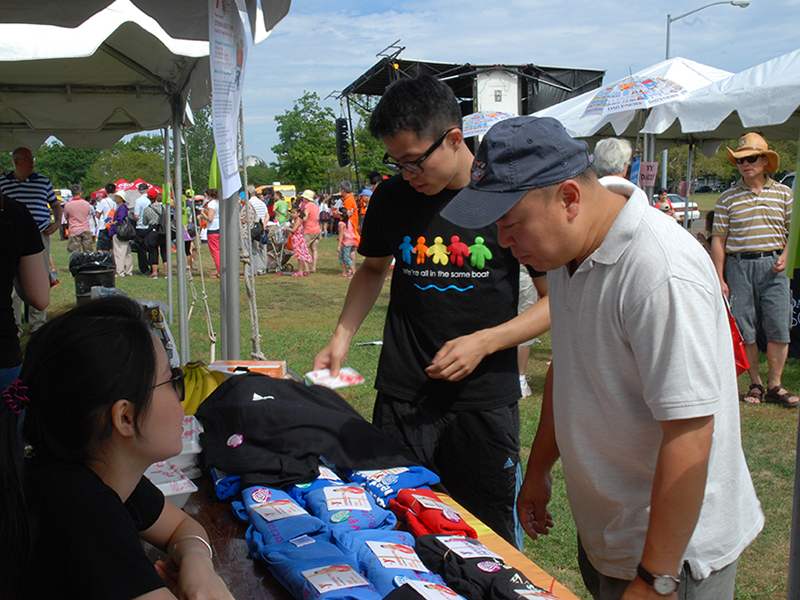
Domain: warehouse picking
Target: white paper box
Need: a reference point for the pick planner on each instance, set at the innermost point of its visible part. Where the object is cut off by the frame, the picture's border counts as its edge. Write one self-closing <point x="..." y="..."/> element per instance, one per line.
<point x="172" y="482"/>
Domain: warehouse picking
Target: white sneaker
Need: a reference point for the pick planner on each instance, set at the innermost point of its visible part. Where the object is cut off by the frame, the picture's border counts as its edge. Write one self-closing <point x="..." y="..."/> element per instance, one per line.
<point x="525" y="389"/>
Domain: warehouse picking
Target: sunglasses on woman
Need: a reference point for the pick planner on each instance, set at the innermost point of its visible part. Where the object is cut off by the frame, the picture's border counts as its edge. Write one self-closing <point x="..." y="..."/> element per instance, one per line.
<point x="177" y="382"/>
<point x="750" y="159"/>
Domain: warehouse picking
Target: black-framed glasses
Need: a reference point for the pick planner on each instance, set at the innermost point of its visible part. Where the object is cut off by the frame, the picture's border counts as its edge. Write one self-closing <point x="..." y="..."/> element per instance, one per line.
<point x="750" y="159"/>
<point x="414" y="165"/>
<point x="177" y="382"/>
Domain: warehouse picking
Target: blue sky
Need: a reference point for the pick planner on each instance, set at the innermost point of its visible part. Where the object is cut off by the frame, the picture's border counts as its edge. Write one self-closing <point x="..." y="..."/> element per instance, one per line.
<point x="323" y="45"/>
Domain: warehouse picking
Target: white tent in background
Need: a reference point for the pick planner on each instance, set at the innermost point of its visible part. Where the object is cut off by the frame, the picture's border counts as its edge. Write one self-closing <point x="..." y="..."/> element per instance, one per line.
<point x="689" y="74"/>
<point x="766" y="96"/>
<point x="92" y="71"/>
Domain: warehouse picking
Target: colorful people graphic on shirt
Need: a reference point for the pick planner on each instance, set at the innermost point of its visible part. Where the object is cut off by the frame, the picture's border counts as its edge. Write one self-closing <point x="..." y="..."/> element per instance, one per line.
<point x="439" y="252"/>
<point x="420" y="250"/>
<point x="479" y="254"/>
<point x="458" y="250"/>
<point x="406" y="249"/>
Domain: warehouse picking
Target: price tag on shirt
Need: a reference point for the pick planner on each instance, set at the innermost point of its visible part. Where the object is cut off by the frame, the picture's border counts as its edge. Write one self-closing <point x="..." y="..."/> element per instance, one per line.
<point x="346" y="498"/>
<point x="279" y="509"/>
<point x="326" y="473"/>
<point x="379" y="475"/>
<point x="428" y="502"/>
<point x="334" y="577"/>
<point x="432" y="591"/>
<point x="397" y="556"/>
<point x="467" y="548"/>
<point x="525" y="593"/>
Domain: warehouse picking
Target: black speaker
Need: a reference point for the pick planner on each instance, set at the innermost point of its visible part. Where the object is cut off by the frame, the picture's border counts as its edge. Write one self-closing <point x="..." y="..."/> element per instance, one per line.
<point x="342" y="142"/>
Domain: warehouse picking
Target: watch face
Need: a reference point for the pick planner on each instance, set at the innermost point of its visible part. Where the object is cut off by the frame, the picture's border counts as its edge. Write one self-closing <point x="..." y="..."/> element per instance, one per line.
<point x="665" y="585"/>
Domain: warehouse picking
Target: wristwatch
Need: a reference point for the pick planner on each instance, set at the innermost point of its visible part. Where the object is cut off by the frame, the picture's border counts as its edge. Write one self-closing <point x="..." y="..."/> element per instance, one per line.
<point x="662" y="584"/>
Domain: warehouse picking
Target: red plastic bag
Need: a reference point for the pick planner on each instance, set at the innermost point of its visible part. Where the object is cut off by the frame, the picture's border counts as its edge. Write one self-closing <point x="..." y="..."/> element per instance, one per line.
<point x="739" y="353"/>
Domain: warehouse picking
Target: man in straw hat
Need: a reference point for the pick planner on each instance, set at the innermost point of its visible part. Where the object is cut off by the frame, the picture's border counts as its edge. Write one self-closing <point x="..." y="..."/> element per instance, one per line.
<point x="751" y="224"/>
<point x="652" y="458"/>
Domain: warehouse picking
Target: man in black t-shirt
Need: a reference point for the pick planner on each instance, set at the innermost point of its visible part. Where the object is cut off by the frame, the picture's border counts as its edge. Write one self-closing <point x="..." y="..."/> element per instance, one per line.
<point x="447" y="379"/>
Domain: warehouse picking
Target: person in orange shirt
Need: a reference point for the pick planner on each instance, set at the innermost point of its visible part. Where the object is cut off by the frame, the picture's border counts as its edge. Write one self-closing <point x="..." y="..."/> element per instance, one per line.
<point x="349" y="202"/>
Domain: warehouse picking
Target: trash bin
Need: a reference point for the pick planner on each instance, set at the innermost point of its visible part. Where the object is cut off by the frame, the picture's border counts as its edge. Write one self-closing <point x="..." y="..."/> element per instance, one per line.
<point x="89" y="269"/>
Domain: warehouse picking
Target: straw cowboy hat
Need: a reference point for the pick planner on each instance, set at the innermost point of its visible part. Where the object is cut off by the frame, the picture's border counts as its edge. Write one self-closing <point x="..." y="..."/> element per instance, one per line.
<point x="752" y="144"/>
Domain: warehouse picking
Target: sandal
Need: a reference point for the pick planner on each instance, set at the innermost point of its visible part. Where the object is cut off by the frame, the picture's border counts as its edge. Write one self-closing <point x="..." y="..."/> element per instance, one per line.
<point x="297" y="274"/>
<point x="781" y="396"/>
<point x="754" y="395"/>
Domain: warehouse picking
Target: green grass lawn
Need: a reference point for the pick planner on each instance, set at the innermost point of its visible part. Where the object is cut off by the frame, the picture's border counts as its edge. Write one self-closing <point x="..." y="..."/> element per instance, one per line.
<point x="297" y="316"/>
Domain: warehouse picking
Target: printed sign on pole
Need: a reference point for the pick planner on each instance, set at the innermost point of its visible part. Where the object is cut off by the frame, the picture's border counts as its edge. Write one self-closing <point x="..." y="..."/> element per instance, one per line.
<point x="227" y="56"/>
<point x="647" y="174"/>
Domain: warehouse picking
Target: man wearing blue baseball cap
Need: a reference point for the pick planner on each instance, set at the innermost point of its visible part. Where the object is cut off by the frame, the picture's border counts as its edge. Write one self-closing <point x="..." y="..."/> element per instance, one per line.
<point x="640" y="408"/>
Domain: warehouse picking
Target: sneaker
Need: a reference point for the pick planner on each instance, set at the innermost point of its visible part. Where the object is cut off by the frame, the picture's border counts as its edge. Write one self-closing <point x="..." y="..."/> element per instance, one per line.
<point x="154" y="276"/>
<point x="525" y="389"/>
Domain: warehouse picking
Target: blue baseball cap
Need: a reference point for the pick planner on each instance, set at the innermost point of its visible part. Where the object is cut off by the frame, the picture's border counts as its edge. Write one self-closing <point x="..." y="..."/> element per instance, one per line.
<point x="517" y="155"/>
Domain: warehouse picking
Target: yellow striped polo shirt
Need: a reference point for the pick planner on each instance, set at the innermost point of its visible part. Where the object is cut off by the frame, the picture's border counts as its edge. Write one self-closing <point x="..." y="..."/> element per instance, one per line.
<point x="754" y="222"/>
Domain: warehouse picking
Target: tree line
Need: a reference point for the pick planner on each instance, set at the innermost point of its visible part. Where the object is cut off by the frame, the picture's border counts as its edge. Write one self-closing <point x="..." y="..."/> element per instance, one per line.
<point x="305" y="154"/>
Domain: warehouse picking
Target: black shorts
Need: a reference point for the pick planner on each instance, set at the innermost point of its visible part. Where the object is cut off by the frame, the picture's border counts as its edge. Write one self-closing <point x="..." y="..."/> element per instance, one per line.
<point x="476" y="454"/>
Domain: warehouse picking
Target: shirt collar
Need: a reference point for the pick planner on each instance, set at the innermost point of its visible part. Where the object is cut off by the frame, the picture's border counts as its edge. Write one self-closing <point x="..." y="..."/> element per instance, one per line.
<point x="620" y="234"/>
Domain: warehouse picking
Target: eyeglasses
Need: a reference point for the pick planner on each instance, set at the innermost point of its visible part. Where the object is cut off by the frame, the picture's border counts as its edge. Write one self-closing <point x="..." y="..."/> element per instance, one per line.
<point x="177" y="382"/>
<point x="414" y="166"/>
<point x="750" y="159"/>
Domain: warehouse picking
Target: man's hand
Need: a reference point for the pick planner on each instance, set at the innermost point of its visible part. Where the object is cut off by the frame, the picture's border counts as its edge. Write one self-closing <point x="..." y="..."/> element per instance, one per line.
<point x="780" y="264"/>
<point x="532" y="501"/>
<point x="332" y="356"/>
<point x="639" y="590"/>
<point x="51" y="229"/>
<point x="458" y="358"/>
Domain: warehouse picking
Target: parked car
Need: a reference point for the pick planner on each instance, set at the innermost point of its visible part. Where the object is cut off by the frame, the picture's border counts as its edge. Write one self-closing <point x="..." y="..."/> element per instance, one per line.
<point x="704" y="189"/>
<point x="789" y="180"/>
<point x="679" y="205"/>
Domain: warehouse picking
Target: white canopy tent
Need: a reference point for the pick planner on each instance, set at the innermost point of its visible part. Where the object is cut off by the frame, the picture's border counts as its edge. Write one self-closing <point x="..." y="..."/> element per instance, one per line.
<point x="93" y="71"/>
<point x="766" y="96"/>
<point x="689" y="74"/>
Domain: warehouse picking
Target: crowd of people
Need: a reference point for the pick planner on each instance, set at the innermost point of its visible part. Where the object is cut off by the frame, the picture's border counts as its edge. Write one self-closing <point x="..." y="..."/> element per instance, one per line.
<point x="651" y="455"/>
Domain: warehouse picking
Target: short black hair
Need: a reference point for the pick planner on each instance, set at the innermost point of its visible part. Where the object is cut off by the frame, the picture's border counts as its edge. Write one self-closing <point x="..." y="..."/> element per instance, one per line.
<point x="424" y="105"/>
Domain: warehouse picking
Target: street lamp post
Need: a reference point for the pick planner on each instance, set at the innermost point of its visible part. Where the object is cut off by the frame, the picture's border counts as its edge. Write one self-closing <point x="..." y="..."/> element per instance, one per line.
<point x="670" y="20"/>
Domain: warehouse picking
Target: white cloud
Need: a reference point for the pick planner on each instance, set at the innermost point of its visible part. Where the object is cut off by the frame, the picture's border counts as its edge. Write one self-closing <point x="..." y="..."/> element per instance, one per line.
<point x="324" y="45"/>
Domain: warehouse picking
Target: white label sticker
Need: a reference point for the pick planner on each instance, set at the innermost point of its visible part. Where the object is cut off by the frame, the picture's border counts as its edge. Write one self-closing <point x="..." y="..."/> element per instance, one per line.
<point x="428" y="502"/>
<point x="326" y="473"/>
<point x="334" y="577"/>
<point x="279" y="509"/>
<point x="432" y="591"/>
<point x="467" y="548"/>
<point x="346" y="498"/>
<point x="397" y="556"/>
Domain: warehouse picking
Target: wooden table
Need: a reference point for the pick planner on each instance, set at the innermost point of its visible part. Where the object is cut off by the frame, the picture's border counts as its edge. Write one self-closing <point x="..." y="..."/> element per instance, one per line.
<point x="250" y="579"/>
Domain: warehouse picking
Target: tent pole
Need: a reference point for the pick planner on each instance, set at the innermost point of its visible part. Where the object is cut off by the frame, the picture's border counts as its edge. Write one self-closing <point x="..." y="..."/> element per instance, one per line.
<point x="177" y="193"/>
<point x="229" y="278"/>
<point x="165" y="201"/>
<point x="688" y="187"/>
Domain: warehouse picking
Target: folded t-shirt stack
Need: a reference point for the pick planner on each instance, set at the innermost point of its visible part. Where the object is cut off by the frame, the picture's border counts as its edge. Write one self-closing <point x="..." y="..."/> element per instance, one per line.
<point x="276" y="518"/>
<point x="386" y="558"/>
<point x="326" y="478"/>
<point x="424" y="514"/>
<point x="313" y="568"/>
<point x="474" y="571"/>
<point x="385" y="484"/>
<point x="348" y="507"/>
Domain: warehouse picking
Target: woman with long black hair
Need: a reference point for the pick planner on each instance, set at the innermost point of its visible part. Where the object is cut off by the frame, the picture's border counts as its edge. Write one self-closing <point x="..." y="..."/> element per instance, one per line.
<point x="99" y="404"/>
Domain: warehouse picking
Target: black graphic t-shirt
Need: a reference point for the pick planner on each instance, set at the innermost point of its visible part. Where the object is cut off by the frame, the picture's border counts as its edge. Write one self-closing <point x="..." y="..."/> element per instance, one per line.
<point x="448" y="281"/>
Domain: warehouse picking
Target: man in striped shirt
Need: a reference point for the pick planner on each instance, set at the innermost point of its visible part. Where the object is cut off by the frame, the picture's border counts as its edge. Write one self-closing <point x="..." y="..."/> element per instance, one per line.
<point x="751" y="224"/>
<point x="36" y="192"/>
